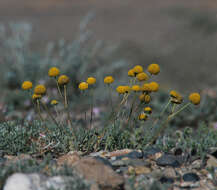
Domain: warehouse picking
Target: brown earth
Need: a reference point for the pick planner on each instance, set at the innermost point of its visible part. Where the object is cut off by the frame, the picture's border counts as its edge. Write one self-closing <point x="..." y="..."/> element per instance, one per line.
<point x="180" y="35"/>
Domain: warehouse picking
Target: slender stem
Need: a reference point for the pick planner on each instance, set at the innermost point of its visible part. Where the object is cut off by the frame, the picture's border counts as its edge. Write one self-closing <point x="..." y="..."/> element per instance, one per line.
<point x="162" y="112"/>
<point x="50" y="115"/>
<point x="181" y="109"/>
<point x="91" y="108"/>
<point x="58" y="88"/>
<point x="173" y="108"/>
<point x="165" y="124"/>
<point x="66" y="106"/>
<point x="39" y="110"/>
<point x="131" y="109"/>
<point x="110" y="94"/>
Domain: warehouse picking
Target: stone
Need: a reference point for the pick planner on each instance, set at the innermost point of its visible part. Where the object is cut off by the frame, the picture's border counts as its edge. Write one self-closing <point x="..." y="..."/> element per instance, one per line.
<point x="132" y="155"/>
<point x="138" y="170"/>
<point x="166" y="180"/>
<point x="103" y="160"/>
<point x="131" y="162"/>
<point x="24" y="181"/>
<point x="95" y="170"/>
<point x="150" y="151"/>
<point x="168" y="160"/>
<point x="118" y="153"/>
<point x="169" y="172"/>
<point x="190" y="177"/>
<point x="68" y="159"/>
<point x="211" y="162"/>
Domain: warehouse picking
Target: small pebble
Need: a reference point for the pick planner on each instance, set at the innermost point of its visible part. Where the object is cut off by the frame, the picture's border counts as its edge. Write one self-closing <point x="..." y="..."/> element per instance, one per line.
<point x="191" y="177"/>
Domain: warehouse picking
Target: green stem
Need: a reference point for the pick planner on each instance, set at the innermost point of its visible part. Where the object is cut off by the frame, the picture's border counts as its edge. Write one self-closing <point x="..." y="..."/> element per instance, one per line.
<point x="50" y="115"/>
<point x="39" y="110"/>
<point x="165" y="124"/>
<point x="58" y="88"/>
<point x="66" y="106"/>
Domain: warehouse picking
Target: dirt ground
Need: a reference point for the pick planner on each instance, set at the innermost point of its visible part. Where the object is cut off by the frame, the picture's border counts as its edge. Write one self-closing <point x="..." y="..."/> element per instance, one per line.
<point x="180" y="35"/>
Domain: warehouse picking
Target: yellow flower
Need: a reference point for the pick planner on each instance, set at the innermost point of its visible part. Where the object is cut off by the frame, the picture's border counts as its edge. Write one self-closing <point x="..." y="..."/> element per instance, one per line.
<point x="120" y="89"/>
<point x="83" y="86"/>
<point x="174" y="94"/>
<point x="138" y="69"/>
<point x="136" y="88"/>
<point x="148" y="110"/>
<point x="53" y="72"/>
<point x="131" y="73"/>
<point x="194" y="98"/>
<point x="36" y="96"/>
<point x="153" y="69"/>
<point x="54" y="102"/>
<point x="143" y="116"/>
<point x="154" y="86"/>
<point x="108" y="80"/>
<point x="91" y="80"/>
<point x="176" y="97"/>
<point x="26" y="85"/>
<point x="127" y="89"/>
<point x="40" y="89"/>
<point x="142" y="76"/>
<point x="63" y="80"/>
<point x="145" y="98"/>
<point x="146" y="88"/>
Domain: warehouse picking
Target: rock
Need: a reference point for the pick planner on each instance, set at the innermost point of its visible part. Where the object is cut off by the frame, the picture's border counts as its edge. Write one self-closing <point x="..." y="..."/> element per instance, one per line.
<point x="191" y="177"/>
<point x="95" y="170"/>
<point x="150" y="151"/>
<point x="138" y="170"/>
<point x="24" y="182"/>
<point x="166" y="180"/>
<point x="118" y="153"/>
<point x="103" y="160"/>
<point x="169" y="172"/>
<point x="132" y="155"/>
<point x="20" y="181"/>
<point x="211" y="162"/>
<point x="68" y="159"/>
<point x="168" y="160"/>
<point x="131" y="162"/>
<point x="197" y="164"/>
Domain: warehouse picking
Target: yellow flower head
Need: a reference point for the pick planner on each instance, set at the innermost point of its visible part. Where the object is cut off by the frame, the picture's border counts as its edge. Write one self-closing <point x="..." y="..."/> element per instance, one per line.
<point x="143" y="116"/>
<point x="91" y="80"/>
<point x="138" y="69"/>
<point x="54" y="102"/>
<point x="26" y="85"/>
<point x="40" y="89"/>
<point x="174" y="94"/>
<point x="108" y="80"/>
<point x="120" y="89"/>
<point x="145" y="98"/>
<point x="131" y="73"/>
<point x="127" y="89"/>
<point x="194" y="98"/>
<point x="148" y="110"/>
<point x="136" y="88"/>
<point x="146" y="88"/>
<point x="154" y="86"/>
<point x="142" y="76"/>
<point x="153" y="69"/>
<point x="83" y="86"/>
<point x="176" y="97"/>
<point x="53" y="72"/>
<point x="63" y="80"/>
<point x="36" y="96"/>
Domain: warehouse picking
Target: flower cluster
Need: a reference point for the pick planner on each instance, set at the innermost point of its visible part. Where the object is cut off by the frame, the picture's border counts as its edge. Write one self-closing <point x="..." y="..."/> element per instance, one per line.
<point x="141" y="88"/>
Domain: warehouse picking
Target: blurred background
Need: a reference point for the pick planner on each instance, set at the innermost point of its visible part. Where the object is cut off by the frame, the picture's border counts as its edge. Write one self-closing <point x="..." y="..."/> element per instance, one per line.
<point x="96" y="37"/>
